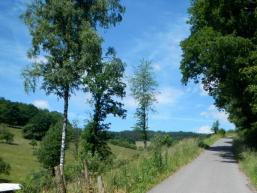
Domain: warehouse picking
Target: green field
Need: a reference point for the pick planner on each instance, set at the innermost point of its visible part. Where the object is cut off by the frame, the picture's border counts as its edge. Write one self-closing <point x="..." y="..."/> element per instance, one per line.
<point x="20" y="156"/>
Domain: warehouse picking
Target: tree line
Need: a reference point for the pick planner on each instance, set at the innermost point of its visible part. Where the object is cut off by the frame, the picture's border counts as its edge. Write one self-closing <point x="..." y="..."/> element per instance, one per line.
<point x="34" y="122"/>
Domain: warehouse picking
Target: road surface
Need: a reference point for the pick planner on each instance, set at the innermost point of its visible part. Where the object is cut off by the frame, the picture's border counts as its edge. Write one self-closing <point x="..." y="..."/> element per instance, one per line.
<point x="214" y="171"/>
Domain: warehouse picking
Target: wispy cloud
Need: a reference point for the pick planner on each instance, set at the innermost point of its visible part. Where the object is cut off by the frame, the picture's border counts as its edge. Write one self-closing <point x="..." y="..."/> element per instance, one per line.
<point x="213" y="113"/>
<point x="41" y="104"/>
<point x="205" y="129"/>
<point x="168" y="96"/>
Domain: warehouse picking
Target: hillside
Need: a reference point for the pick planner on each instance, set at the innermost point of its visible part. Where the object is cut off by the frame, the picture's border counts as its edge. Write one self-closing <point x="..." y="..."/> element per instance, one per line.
<point x="20" y="156"/>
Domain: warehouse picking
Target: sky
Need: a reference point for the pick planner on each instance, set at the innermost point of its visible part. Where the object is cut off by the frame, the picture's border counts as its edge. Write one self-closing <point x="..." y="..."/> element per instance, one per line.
<point x="151" y="30"/>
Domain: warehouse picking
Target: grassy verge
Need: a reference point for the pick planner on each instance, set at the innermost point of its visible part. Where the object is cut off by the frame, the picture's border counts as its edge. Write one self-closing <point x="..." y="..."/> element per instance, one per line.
<point x="142" y="174"/>
<point x="247" y="160"/>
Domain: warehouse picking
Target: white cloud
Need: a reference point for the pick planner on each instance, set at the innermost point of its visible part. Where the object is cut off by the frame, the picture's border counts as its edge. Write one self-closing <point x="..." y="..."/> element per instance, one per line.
<point x="204" y="129"/>
<point x="39" y="59"/>
<point x="41" y="104"/>
<point x="157" y="67"/>
<point x="168" y="95"/>
<point x="215" y="114"/>
<point x="202" y="91"/>
<point x="129" y="102"/>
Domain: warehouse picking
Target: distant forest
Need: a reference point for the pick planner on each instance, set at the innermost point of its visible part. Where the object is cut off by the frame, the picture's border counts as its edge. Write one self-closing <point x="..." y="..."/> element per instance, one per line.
<point x="36" y="122"/>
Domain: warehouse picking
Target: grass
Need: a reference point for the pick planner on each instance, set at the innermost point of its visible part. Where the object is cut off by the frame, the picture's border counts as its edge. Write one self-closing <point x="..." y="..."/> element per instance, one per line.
<point x="22" y="161"/>
<point x="247" y="159"/>
<point x="19" y="155"/>
<point x="136" y="171"/>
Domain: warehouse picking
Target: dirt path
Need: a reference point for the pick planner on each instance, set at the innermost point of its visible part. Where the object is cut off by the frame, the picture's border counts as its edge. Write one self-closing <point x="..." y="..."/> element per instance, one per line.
<point x="214" y="171"/>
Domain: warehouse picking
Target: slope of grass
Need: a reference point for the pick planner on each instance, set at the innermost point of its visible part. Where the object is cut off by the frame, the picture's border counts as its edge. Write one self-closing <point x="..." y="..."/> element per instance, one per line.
<point x="22" y="161"/>
<point x="19" y="155"/>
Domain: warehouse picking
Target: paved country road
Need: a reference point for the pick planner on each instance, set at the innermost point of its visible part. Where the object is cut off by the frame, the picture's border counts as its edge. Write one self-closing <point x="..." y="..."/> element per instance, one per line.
<point x="214" y="171"/>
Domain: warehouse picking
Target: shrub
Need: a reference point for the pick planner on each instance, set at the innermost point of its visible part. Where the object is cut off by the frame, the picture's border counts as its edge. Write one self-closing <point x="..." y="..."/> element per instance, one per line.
<point x="37" y="181"/>
<point x="162" y="140"/>
<point x="48" y="152"/>
<point x="5" y="135"/>
<point x="221" y="132"/>
<point x="37" y="126"/>
<point x="4" y="167"/>
<point x="33" y="143"/>
<point x="123" y="143"/>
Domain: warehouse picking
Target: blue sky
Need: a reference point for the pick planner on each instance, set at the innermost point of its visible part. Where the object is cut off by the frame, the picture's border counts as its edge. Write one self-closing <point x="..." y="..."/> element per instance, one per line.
<point x="151" y="30"/>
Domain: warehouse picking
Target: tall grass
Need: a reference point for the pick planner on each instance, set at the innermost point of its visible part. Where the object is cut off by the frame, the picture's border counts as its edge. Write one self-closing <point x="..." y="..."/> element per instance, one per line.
<point x="133" y="171"/>
<point x="247" y="158"/>
<point x="142" y="174"/>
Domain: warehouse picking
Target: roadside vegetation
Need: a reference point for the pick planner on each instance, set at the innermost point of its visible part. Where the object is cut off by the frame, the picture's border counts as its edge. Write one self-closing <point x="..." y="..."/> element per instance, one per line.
<point x="131" y="170"/>
<point x="247" y="158"/>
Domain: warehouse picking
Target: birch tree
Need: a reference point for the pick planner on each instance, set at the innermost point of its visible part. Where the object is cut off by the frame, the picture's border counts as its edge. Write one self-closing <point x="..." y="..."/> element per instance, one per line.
<point x="143" y="88"/>
<point x="62" y="32"/>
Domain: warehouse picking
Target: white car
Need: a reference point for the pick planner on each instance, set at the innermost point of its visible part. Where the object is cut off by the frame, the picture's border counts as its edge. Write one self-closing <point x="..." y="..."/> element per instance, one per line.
<point x="9" y="187"/>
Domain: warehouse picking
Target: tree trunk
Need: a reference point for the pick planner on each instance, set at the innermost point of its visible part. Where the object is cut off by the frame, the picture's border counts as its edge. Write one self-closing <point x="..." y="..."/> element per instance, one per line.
<point x="145" y="128"/>
<point x="64" y="129"/>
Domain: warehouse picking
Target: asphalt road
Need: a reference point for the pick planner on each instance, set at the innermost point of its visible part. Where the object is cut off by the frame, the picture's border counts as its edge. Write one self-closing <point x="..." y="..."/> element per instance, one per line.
<point x="214" y="171"/>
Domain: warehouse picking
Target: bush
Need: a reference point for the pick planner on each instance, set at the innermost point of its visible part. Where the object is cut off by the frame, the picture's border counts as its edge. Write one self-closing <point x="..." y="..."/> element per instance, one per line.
<point x="33" y="143"/>
<point x="48" y="152"/>
<point x="37" y="126"/>
<point x="4" y="167"/>
<point x="162" y="140"/>
<point x="37" y="182"/>
<point x="5" y="135"/>
<point x="123" y="143"/>
<point x="221" y="132"/>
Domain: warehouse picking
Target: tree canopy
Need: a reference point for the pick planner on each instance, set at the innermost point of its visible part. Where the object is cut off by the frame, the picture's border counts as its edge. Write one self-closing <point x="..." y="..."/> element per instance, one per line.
<point x="105" y="83"/>
<point x="220" y="53"/>
<point x="143" y="88"/>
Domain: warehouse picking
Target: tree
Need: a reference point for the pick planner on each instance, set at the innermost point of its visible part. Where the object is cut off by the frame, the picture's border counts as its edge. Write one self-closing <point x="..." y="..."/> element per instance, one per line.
<point x="215" y="126"/>
<point x="48" y="152"/>
<point x="5" y="135"/>
<point x="221" y="53"/>
<point x="64" y="32"/>
<point x="37" y="126"/>
<point x="105" y="83"/>
<point x="143" y="88"/>
<point x="4" y="167"/>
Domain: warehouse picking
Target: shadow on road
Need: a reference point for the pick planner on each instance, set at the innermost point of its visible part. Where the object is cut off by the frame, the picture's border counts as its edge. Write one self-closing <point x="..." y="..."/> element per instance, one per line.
<point x="225" y="152"/>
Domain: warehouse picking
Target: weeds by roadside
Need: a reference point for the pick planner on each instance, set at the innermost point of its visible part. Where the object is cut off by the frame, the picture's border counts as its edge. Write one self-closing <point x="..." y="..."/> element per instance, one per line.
<point x="247" y="159"/>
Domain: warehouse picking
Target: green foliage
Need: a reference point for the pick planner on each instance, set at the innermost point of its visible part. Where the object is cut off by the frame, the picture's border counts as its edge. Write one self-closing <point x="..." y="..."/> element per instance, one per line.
<point x="106" y="86"/>
<point x="123" y="143"/>
<point x="4" y="167"/>
<point x="93" y="143"/>
<point x="221" y="132"/>
<point x="215" y="126"/>
<point x="37" y="181"/>
<point x="64" y="32"/>
<point x="143" y="88"/>
<point x="48" y="152"/>
<point x="33" y="143"/>
<point x="220" y="52"/>
<point x="37" y="126"/>
<point x="162" y="140"/>
<point x="14" y="113"/>
<point x="5" y="135"/>
<point x="247" y="158"/>
<point x="139" y="176"/>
